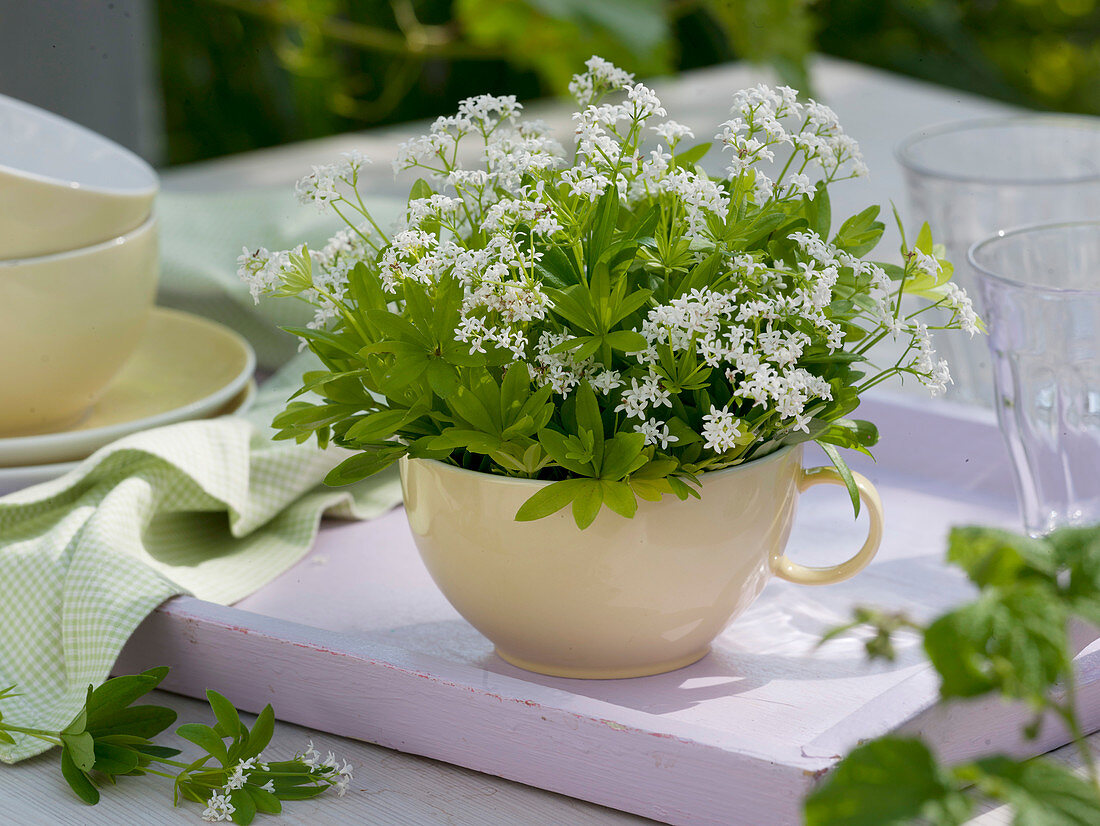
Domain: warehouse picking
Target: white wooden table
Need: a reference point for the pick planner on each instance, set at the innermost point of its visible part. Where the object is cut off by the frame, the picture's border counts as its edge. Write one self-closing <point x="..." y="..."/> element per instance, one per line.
<point x="390" y="787"/>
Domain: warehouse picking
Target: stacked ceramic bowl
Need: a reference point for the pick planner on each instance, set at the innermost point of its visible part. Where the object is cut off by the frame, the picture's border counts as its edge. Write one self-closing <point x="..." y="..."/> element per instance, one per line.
<point x="78" y="266"/>
<point x="85" y="357"/>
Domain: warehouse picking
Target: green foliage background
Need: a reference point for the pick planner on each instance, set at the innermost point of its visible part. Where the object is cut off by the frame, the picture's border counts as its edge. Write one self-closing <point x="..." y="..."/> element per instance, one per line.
<point x="242" y="74"/>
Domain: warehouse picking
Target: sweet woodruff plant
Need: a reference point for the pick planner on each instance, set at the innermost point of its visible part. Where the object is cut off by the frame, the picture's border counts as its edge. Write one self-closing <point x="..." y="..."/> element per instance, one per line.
<point x="605" y="316"/>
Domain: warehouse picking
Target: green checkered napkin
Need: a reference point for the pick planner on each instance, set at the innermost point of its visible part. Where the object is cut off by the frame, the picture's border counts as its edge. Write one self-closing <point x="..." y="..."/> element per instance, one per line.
<point x="213" y="508"/>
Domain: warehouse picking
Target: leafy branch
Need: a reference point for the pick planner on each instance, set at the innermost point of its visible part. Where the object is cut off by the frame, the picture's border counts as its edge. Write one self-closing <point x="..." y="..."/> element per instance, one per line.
<point x="110" y="737"/>
<point x="1012" y="641"/>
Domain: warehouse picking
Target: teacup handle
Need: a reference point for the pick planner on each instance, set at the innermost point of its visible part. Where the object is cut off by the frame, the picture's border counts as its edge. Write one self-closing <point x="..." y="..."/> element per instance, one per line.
<point x="804" y="575"/>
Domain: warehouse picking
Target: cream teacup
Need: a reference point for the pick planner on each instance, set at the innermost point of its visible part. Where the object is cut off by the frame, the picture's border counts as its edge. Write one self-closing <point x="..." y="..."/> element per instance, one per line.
<point x="68" y="322"/>
<point x="624" y="597"/>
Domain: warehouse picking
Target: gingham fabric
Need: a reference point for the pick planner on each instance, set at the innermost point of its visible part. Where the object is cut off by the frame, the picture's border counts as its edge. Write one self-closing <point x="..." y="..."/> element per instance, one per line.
<point x="212" y="508"/>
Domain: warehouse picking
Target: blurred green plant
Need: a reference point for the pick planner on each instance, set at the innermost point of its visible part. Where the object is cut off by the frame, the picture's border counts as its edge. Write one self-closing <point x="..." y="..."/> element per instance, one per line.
<point x="240" y="74"/>
<point x="244" y="73"/>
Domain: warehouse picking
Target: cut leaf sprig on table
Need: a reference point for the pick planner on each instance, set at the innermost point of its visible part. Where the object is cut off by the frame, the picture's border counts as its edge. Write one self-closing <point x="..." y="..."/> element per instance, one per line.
<point x="609" y="318"/>
<point x="110" y="737"/>
<point x="1011" y="641"/>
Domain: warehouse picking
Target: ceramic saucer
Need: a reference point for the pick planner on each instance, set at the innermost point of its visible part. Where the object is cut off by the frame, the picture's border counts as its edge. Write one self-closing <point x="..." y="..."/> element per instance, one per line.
<point x="186" y="367"/>
<point x="17" y="478"/>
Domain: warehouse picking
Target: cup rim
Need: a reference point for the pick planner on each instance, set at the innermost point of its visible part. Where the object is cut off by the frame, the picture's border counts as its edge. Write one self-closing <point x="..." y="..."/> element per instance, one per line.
<point x="118" y="240"/>
<point x="148" y="189"/>
<point x="902" y="151"/>
<point x="1001" y="234"/>
<point x="534" y="483"/>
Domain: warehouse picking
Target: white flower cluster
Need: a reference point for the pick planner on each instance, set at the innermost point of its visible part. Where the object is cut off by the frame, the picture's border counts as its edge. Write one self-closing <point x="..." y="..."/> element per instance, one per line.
<point x="511" y="218"/>
<point x="339" y="773"/>
<point x="321" y="187"/>
<point x="721" y="430"/>
<point x="563" y="371"/>
<point x="765" y="119"/>
<point x="599" y="78"/>
<point x="220" y="806"/>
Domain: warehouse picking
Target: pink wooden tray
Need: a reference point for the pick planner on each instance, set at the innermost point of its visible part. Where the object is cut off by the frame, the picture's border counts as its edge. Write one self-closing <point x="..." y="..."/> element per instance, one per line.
<point x="356" y="640"/>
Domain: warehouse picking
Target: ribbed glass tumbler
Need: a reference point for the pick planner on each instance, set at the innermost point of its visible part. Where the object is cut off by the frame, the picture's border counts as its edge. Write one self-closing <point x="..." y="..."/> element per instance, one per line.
<point x="973" y="178"/>
<point x="1039" y="289"/>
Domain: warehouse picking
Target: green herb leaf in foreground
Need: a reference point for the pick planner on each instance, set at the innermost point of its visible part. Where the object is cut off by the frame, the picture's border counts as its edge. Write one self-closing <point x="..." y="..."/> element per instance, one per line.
<point x="886" y="782"/>
<point x="110" y="738"/>
<point x="1012" y="641"/>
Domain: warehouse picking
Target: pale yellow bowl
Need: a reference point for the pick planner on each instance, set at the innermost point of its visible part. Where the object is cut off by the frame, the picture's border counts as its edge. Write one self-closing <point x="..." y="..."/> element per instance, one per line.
<point x="68" y="322"/>
<point x="64" y="187"/>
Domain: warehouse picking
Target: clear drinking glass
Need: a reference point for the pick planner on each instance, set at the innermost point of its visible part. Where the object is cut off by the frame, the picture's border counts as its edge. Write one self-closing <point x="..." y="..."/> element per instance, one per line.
<point x="973" y="178"/>
<point x="1040" y="292"/>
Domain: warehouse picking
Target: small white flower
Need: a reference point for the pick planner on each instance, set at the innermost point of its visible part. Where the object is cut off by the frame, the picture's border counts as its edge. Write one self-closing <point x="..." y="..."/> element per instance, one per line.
<point x="343" y="777"/>
<point x="310" y="757"/>
<point x="218" y="808"/>
<point x="721" y="429"/>
<point x="672" y="131"/>
<point x="656" y="433"/>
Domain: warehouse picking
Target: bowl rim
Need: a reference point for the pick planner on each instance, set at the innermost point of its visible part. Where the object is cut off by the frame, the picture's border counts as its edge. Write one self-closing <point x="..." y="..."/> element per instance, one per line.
<point x="534" y="483"/>
<point x="86" y="134"/>
<point x="904" y="158"/>
<point x="144" y="227"/>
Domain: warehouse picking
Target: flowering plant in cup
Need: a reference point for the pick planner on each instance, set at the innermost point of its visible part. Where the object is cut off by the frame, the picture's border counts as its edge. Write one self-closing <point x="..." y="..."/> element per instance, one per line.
<point x="608" y="316"/>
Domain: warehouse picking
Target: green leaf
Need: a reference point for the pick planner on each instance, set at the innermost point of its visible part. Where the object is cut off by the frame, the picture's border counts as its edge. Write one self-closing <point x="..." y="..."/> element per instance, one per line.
<point x="817" y="210"/>
<point x="264" y="800"/>
<point x="299" y="792"/>
<point x="207" y="739"/>
<point x="141" y="721"/>
<point x="1041" y="792"/>
<point x="396" y="328"/>
<point x="1009" y="640"/>
<point x="626" y="341"/>
<point x="375" y="427"/>
<point x="113" y="759"/>
<point x="124" y="690"/>
<point x="993" y="556"/>
<point x="1078" y="551"/>
<point x="854" y="434"/>
<point x="845" y="473"/>
<point x="886" y="782"/>
<point x="588" y="418"/>
<point x="629" y="304"/>
<point x="78" y="781"/>
<point x="229" y="722"/>
<point x="261" y="733"/>
<point x="466" y="405"/>
<point x="549" y="499"/>
<point x="689" y="157"/>
<point x="861" y="233"/>
<point x="587" y="502"/>
<point x="81" y="748"/>
<point x="622" y="455"/>
<point x="619" y="497"/>
<point x="362" y="465"/>
<point x="566" y="304"/>
<point x="244" y="807"/>
<point x="420" y="189"/>
<point x="557" y="269"/>
<point x="603" y="226"/>
<point x="557" y="447"/>
<point x="924" y="239"/>
<point x="442" y="377"/>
